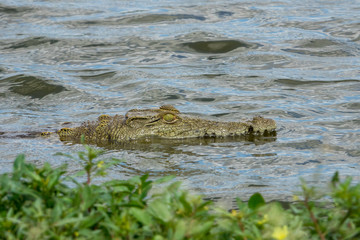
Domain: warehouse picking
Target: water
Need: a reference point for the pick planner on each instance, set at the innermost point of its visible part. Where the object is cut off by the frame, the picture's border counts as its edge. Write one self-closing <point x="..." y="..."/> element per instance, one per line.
<point x="65" y="61"/>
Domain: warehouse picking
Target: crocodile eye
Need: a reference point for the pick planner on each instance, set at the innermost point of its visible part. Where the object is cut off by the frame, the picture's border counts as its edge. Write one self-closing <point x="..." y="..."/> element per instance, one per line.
<point x="169" y="118"/>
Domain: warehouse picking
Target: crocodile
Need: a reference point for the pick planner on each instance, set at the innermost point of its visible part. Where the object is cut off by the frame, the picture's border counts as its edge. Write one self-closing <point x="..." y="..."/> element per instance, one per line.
<point x="165" y="122"/>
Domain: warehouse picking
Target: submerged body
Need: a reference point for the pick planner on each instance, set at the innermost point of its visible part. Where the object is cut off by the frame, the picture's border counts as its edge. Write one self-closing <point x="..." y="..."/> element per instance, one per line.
<point x="165" y="122"/>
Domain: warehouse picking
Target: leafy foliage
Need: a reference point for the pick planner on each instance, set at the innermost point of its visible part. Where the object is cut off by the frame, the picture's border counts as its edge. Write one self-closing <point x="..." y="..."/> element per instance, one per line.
<point x="35" y="203"/>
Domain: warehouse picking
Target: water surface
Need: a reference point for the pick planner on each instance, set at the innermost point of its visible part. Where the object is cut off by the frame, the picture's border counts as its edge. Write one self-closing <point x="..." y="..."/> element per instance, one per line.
<point x="65" y="61"/>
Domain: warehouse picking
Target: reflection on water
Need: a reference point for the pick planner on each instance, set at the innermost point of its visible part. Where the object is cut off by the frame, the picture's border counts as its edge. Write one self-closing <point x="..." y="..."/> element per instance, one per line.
<point x="171" y="146"/>
<point x="299" y="64"/>
<point x="32" y="42"/>
<point x="220" y="46"/>
<point x="31" y="86"/>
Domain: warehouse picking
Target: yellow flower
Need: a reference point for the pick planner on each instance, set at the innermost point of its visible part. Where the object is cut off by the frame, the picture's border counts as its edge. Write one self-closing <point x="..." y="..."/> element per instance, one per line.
<point x="76" y="234"/>
<point x="280" y="233"/>
<point x="296" y="198"/>
<point x="264" y="220"/>
<point x="237" y="214"/>
<point x="233" y="212"/>
<point x="100" y="164"/>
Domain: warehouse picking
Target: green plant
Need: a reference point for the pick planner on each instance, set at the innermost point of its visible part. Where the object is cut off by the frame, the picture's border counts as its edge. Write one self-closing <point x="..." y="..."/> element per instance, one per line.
<point x="332" y="215"/>
<point x="89" y="161"/>
<point x="37" y="203"/>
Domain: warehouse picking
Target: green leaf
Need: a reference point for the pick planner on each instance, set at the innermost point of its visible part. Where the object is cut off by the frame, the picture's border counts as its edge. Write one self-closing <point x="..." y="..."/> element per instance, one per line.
<point x="79" y="173"/>
<point x="241" y="204"/>
<point x="256" y="201"/>
<point x="89" y="196"/>
<point x="53" y="180"/>
<point x="180" y="230"/>
<point x="67" y="221"/>
<point x="65" y="155"/>
<point x="164" y="179"/>
<point x="35" y="176"/>
<point x="57" y="211"/>
<point x="82" y="139"/>
<point x="143" y="178"/>
<point x="19" y="166"/>
<point x="160" y="210"/>
<point x="185" y="203"/>
<point x="201" y="228"/>
<point x="90" y="234"/>
<point x="91" y="220"/>
<point x="335" y="179"/>
<point x="141" y="215"/>
<point x="158" y="237"/>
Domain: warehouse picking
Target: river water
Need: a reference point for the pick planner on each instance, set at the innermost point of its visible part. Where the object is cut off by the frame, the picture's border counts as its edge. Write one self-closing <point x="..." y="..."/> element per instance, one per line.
<point x="297" y="63"/>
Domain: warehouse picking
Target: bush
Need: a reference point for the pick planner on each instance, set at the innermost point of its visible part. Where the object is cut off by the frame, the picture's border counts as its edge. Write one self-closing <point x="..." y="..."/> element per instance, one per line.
<point x="35" y="203"/>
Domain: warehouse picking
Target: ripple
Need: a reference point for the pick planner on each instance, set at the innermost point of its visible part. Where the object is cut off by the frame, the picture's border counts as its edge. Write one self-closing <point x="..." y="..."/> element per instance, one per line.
<point x="204" y="99"/>
<point x="31" y="86"/>
<point x="350" y="106"/>
<point x="98" y="76"/>
<point x="217" y="46"/>
<point x="304" y="145"/>
<point x="32" y="42"/>
<point x="348" y="30"/>
<point x="152" y="18"/>
<point x="13" y="10"/>
<point x="297" y="64"/>
<point x="318" y="43"/>
<point x="295" y="82"/>
<point x="139" y="19"/>
<point x="224" y="14"/>
<point x="322" y="48"/>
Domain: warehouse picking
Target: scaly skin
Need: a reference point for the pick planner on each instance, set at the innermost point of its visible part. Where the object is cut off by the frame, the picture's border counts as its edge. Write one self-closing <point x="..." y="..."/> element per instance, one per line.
<point x="166" y="122"/>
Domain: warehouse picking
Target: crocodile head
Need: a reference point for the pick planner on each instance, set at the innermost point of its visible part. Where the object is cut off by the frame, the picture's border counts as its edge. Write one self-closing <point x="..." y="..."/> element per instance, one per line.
<point x="164" y="122"/>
